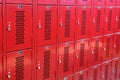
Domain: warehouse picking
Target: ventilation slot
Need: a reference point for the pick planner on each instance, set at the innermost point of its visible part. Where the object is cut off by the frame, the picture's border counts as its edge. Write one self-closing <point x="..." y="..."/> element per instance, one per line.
<point x="117" y="44"/>
<point x="66" y="59"/>
<point x="96" y="50"/>
<point x="111" y="0"/>
<point x="84" y="0"/>
<point x="119" y="21"/>
<point x="106" y="72"/>
<point x="83" y="22"/>
<point x="19" y="68"/>
<point x="108" y="47"/>
<point x="81" y="77"/>
<point x="47" y="23"/>
<point x="98" y="21"/>
<point x="110" y="18"/>
<point x="46" y="64"/>
<point x="95" y="74"/>
<point x="67" y="23"/>
<point x="116" y="69"/>
<point x="19" y="27"/>
<point x="99" y="0"/>
<point x="82" y="55"/>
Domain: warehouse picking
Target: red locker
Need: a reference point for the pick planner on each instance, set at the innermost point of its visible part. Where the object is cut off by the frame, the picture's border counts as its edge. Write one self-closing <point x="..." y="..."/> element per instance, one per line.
<point x="1" y="29"/>
<point x="109" y="20"/>
<point x="65" y="59"/>
<point x="1" y="65"/>
<point x="47" y="1"/>
<point x="47" y="25"/>
<point x="117" y="20"/>
<point x="19" y="65"/>
<point x="46" y="62"/>
<point x="96" y="50"/>
<point x="110" y="2"/>
<point x="81" y="75"/>
<point x="107" y="47"/>
<point x="98" y="2"/>
<point x="97" y="21"/>
<point x="67" y="2"/>
<point x="117" y="2"/>
<point x="70" y="77"/>
<point x="67" y="23"/>
<point x="19" y="27"/>
<point x="84" y="2"/>
<point x="82" y="22"/>
<point x="20" y="1"/>
<point x="81" y="54"/>
<point x="0" y="1"/>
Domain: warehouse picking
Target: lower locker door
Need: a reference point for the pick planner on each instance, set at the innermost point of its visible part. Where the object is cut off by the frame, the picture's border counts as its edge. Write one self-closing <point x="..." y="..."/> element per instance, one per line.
<point x="1" y="67"/>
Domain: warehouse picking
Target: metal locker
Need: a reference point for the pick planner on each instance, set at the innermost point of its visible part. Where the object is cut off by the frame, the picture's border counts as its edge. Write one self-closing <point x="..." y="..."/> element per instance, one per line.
<point x="20" y="1"/>
<point x="46" y="62"/>
<point x="95" y="50"/>
<point x="110" y="2"/>
<point x="109" y="20"/>
<point x="47" y="25"/>
<point x="19" y="65"/>
<point x="82" y="22"/>
<point x="117" y="2"/>
<point x="1" y="65"/>
<point x="66" y="23"/>
<point x="1" y="1"/>
<point x="107" y="47"/>
<point x="81" y="54"/>
<point x="81" y="75"/>
<point x="97" y="21"/>
<point x="67" y="2"/>
<point x="69" y="77"/>
<point x="1" y="29"/>
<point x="98" y="2"/>
<point x="84" y="2"/>
<point x="117" y="20"/>
<point x="19" y="27"/>
<point x="47" y="1"/>
<point x="65" y="59"/>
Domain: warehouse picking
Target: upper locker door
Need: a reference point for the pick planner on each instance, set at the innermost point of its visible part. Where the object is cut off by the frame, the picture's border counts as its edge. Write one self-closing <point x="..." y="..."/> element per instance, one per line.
<point x="19" y="27"/>
<point x="46" y="62"/>
<point x="47" y="1"/>
<point x="66" y="23"/>
<point x="1" y="29"/>
<point x="84" y="2"/>
<point x="1" y="67"/>
<point x="67" y="2"/>
<point x="20" y="1"/>
<point x="47" y="25"/>
<point x="98" y="2"/>
<point x="97" y="21"/>
<point x="110" y="2"/>
<point x="82" y="22"/>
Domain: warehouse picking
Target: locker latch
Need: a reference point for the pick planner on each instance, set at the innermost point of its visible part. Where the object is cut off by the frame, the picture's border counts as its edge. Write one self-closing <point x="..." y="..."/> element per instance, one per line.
<point x="60" y="61"/>
<point x="116" y="18"/>
<point x="77" y="56"/>
<point x="39" y="24"/>
<point x="39" y="67"/>
<point x="106" y="19"/>
<point x="94" y="21"/>
<point x="61" y="23"/>
<point x="9" y="76"/>
<point x="9" y="26"/>
<point x="78" y="21"/>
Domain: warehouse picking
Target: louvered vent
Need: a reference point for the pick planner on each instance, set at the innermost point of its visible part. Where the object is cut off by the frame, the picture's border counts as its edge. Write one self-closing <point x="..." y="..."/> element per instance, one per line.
<point x="111" y="0"/>
<point x="84" y="0"/>
<point x="66" y="59"/>
<point x="47" y="27"/>
<point x="46" y="65"/>
<point x="81" y="77"/>
<point x="98" y="21"/>
<point x="106" y="72"/>
<point x="110" y="19"/>
<point x="117" y="44"/>
<point x="96" y="50"/>
<point x="20" y="27"/>
<point x="108" y="47"/>
<point x="82" y="54"/>
<point x="19" y="68"/>
<point x="119" y="21"/>
<point x="99" y="0"/>
<point x="67" y="23"/>
<point x="116" y="69"/>
<point x="83" y="22"/>
<point x="95" y="74"/>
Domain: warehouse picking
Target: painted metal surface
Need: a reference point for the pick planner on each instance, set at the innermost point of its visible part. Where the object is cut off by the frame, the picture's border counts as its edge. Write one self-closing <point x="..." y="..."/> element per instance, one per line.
<point x="84" y="2"/>
<point x="1" y="31"/>
<point x="67" y="2"/>
<point x="47" y="1"/>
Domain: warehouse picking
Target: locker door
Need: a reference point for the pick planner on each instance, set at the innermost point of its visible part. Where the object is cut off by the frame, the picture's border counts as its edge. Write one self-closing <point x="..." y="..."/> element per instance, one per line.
<point x="19" y="65"/>
<point x="1" y="29"/>
<point x="19" y="1"/>
<point x="81" y="55"/>
<point x="110" y="2"/>
<point x="1" y="67"/>
<point x="97" y="21"/>
<point x="65" y="59"/>
<point x="109" y="19"/>
<point x="96" y="50"/>
<point x="69" y="77"/>
<point x="84" y="2"/>
<point x="117" y="20"/>
<point x="46" y="62"/>
<point x="117" y="2"/>
<point x="83" y="22"/>
<point x="47" y="1"/>
<point x="98" y="2"/>
<point x="67" y="23"/>
<point x="67" y="2"/>
<point x="47" y="25"/>
<point x="107" y="47"/>
<point x="19" y="27"/>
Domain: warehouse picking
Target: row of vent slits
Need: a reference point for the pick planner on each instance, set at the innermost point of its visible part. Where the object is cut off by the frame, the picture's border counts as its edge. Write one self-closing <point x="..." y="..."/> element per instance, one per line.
<point x="67" y="23"/>
<point x="47" y="23"/>
<point x="98" y="21"/>
<point x="83" y="22"/>
<point x="96" y="50"/>
<point x="19" y="68"/>
<point x="82" y="54"/>
<point x="19" y="27"/>
<point x="117" y="44"/>
<point x="108" y="47"/>
<point x="109" y="20"/>
<point x="66" y="59"/>
<point x="46" y="65"/>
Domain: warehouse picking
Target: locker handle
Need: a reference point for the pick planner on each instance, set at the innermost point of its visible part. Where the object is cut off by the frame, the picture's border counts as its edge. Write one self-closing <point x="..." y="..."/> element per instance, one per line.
<point x="9" y="76"/>
<point x="92" y="52"/>
<point x="77" y="56"/>
<point x="94" y="21"/>
<point x="9" y="26"/>
<point x="39" y="24"/>
<point x="106" y="19"/>
<point x="39" y="67"/>
<point x="60" y="61"/>
<point x="78" y="21"/>
<point x="116" y="18"/>
<point x="115" y="46"/>
<point x="104" y="49"/>
<point x="61" y="23"/>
